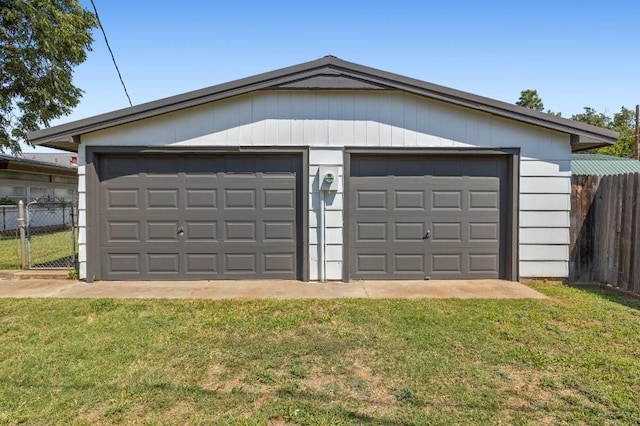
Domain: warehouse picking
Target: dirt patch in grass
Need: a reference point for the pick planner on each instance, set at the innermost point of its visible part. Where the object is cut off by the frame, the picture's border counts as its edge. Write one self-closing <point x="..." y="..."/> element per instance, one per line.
<point x="536" y="391"/>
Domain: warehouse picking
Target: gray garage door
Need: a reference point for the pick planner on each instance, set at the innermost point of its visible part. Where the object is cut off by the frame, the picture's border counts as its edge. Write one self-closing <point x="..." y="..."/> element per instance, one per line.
<point x="174" y="217"/>
<point x="439" y="217"/>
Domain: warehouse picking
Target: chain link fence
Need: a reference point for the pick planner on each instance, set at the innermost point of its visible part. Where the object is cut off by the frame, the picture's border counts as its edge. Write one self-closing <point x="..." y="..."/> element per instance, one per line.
<point x="10" y="257"/>
<point x="51" y="233"/>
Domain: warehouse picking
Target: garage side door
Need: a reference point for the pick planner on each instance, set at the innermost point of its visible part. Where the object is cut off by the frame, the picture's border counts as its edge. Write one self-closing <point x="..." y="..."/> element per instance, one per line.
<point x="439" y="217"/>
<point x="181" y="217"/>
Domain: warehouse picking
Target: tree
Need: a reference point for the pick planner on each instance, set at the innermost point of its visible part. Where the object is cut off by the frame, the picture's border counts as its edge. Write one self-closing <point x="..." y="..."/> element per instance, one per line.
<point x="41" y="41"/>
<point x="622" y="122"/>
<point x="590" y="116"/>
<point x="530" y="99"/>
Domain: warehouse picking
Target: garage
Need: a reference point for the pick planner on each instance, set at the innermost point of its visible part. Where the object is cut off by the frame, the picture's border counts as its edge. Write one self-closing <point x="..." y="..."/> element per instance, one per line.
<point x="428" y="216"/>
<point x="230" y="181"/>
<point x="177" y="217"/>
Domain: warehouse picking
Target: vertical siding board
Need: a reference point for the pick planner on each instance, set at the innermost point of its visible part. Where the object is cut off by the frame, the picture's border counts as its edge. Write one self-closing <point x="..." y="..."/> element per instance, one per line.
<point x="360" y="121"/>
<point x="271" y="125"/>
<point x="373" y="120"/>
<point x="322" y="118"/>
<point x="385" y="122"/>
<point x="347" y="121"/>
<point x="410" y="121"/>
<point x="309" y="123"/>
<point x="397" y="121"/>
<point x="283" y="120"/>
<point x="297" y="120"/>
<point x="259" y="117"/>
<point x="334" y="126"/>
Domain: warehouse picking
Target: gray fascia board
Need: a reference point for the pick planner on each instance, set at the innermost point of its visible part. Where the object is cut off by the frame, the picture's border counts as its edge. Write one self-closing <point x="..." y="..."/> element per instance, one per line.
<point x="175" y="103"/>
<point x="275" y="78"/>
<point x="480" y="103"/>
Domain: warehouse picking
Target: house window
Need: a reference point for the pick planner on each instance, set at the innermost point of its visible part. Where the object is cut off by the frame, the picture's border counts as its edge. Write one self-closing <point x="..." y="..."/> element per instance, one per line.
<point x="66" y="194"/>
<point x="38" y="193"/>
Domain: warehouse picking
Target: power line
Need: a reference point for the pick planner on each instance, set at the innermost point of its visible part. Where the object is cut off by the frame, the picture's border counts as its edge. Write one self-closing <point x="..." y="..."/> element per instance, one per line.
<point x="111" y="52"/>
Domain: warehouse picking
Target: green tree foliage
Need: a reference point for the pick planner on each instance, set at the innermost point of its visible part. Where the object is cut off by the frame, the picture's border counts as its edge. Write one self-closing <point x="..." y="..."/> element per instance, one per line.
<point x="530" y="99"/>
<point x="622" y="122"/>
<point x="41" y="41"/>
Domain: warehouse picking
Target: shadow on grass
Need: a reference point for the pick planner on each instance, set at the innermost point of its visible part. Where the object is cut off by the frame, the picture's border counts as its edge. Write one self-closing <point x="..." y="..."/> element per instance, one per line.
<point x="611" y="294"/>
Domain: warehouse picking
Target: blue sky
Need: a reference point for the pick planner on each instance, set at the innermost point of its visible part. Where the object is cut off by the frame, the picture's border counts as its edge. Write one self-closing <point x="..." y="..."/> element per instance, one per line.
<point x="575" y="54"/>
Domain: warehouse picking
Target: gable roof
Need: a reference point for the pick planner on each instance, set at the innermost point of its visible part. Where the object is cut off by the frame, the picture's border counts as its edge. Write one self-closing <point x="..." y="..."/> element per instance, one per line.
<point x="602" y="165"/>
<point x="327" y="73"/>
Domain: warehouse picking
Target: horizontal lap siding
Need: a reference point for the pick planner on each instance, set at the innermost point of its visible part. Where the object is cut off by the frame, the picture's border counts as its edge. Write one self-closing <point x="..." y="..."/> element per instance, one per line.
<point x="367" y="119"/>
<point x="545" y="205"/>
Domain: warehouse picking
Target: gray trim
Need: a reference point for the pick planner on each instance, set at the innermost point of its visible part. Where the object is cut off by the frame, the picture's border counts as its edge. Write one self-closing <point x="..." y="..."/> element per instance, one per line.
<point x="92" y="230"/>
<point x="65" y="136"/>
<point x="512" y="237"/>
<point x="513" y="221"/>
<point x="92" y="200"/>
<point x="346" y="267"/>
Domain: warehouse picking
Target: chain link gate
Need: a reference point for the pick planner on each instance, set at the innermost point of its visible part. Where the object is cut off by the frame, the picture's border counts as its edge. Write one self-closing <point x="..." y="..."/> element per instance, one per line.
<point x="51" y="233"/>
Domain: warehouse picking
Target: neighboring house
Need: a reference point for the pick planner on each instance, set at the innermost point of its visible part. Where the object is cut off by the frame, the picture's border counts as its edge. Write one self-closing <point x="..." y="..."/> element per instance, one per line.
<point x="60" y="158"/>
<point x="28" y="180"/>
<point x="227" y="182"/>
<point x="602" y="165"/>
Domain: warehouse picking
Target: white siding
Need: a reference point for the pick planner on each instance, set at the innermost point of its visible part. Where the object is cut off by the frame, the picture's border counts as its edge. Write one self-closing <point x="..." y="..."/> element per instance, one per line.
<point x="333" y="214"/>
<point x="82" y="208"/>
<point x="329" y="121"/>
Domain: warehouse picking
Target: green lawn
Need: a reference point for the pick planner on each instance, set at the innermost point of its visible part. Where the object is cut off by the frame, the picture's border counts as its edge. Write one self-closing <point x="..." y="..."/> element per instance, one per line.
<point x="47" y="250"/>
<point x="572" y="359"/>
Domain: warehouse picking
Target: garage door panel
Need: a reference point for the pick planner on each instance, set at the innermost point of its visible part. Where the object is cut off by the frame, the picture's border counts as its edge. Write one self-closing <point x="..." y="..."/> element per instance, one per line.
<point x="201" y="198"/>
<point x="484" y="232"/>
<point x="203" y="217"/>
<point x="446" y="232"/>
<point x="278" y="263"/>
<point x="409" y="199"/>
<point x="484" y="200"/>
<point x="481" y="263"/>
<point x="240" y="263"/>
<point x="280" y="231"/>
<point x="201" y="231"/>
<point x="408" y="263"/>
<point x="409" y="232"/>
<point x="123" y="231"/>
<point x="163" y="263"/>
<point x="119" y="198"/>
<point x="367" y="199"/>
<point x="278" y="198"/>
<point x="371" y="231"/>
<point x="123" y="263"/>
<point x="201" y="263"/>
<point x="240" y="231"/>
<point x="395" y="202"/>
<point x="449" y="199"/>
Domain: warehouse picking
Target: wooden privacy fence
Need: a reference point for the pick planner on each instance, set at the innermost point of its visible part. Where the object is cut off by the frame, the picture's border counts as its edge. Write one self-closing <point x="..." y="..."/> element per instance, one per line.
<point x="605" y="230"/>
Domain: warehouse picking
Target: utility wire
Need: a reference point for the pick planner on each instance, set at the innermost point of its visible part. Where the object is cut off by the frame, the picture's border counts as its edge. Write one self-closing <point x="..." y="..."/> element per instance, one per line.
<point x="111" y="52"/>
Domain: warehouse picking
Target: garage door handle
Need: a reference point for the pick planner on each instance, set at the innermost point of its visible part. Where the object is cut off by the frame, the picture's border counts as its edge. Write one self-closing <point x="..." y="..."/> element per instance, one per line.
<point x="181" y="231"/>
<point x="427" y="235"/>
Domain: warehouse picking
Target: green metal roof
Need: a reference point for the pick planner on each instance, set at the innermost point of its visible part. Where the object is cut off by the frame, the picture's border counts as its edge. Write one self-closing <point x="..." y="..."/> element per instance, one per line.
<point x="602" y="165"/>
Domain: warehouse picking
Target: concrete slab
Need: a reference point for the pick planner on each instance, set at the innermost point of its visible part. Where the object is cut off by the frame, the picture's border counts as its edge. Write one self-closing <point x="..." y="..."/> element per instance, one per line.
<point x="274" y="289"/>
